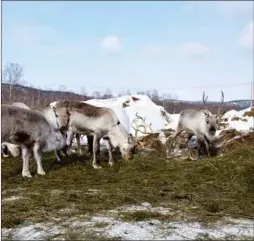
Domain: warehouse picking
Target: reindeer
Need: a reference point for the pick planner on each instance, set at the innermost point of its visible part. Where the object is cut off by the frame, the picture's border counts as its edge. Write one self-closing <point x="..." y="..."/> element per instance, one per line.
<point x="15" y="150"/>
<point x="30" y="130"/>
<point x="201" y="123"/>
<point x="122" y="116"/>
<point x="87" y="119"/>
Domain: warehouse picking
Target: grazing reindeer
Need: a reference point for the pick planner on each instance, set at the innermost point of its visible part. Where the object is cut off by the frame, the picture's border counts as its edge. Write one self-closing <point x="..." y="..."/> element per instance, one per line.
<point x="15" y="149"/>
<point x="122" y="116"/>
<point x="32" y="131"/>
<point x="201" y="123"/>
<point x="87" y="119"/>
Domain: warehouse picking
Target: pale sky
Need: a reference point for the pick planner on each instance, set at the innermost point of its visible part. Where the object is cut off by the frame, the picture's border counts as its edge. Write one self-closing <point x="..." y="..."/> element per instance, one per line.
<point x="181" y="48"/>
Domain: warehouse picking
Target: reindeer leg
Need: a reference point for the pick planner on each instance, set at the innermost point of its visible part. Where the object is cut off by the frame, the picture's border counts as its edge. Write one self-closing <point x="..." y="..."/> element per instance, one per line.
<point x="90" y="144"/>
<point x="177" y="133"/>
<point x="58" y="155"/>
<point x="65" y="151"/>
<point x="78" y="144"/>
<point x="189" y="147"/>
<point x="109" y="147"/>
<point x="96" y="146"/>
<point x="25" y="158"/>
<point x="199" y="146"/>
<point x="37" y="155"/>
<point x="207" y="148"/>
<point x="69" y="142"/>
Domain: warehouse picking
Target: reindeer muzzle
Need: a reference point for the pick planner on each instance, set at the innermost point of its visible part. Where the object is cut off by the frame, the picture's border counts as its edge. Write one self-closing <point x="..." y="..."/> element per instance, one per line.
<point x="212" y="130"/>
<point x="128" y="157"/>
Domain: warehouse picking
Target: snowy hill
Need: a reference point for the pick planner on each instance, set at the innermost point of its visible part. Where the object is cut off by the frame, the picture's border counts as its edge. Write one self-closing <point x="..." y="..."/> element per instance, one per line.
<point x="141" y="104"/>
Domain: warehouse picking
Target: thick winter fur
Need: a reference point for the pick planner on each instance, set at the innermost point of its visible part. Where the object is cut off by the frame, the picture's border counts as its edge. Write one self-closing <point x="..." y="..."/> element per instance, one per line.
<point x="32" y="131"/>
<point x="97" y="121"/>
<point x="197" y="122"/>
<point x="7" y="148"/>
<point x="14" y="150"/>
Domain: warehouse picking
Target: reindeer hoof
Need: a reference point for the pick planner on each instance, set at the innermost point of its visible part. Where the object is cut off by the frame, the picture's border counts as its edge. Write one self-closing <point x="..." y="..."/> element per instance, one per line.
<point x="111" y="163"/>
<point x="58" y="159"/>
<point x="41" y="173"/>
<point x="96" y="166"/>
<point x="26" y="174"/>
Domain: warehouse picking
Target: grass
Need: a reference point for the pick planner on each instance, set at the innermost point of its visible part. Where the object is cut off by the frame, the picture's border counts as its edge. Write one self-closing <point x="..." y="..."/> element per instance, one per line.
<point x="214" y="187"/>
<point x="137" y="216"/>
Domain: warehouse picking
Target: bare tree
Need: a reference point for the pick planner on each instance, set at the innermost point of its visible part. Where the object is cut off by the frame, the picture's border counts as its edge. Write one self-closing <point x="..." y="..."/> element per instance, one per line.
<point x="61" y="88"/>
<point x="108" y="94"/>
<point x="96" y="94"/>
<point x="128" y="92"/>
<point x="12" y="75"/>
<point x="155" y="95"/>
<point x="83" y="93"/>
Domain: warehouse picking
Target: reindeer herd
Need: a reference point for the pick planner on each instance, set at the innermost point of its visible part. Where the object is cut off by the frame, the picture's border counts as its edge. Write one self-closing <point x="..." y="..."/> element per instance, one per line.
<point x="54" y="127"/>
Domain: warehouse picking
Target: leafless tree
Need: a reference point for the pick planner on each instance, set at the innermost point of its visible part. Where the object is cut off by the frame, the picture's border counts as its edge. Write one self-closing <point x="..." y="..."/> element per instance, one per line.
<point x="155" y="95"/>
<point x="38" y="95"/>
<point x="108" y="94"/>
<point x="128" y="92"/>
<point x="96" y="94"/>
<point x="61" y="88"/>
<point x="12" y="74"/>
<point x="83" y="93"/>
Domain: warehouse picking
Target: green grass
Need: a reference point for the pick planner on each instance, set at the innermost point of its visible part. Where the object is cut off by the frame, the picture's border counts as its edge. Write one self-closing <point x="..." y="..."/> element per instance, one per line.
<point x="214" y="187"/>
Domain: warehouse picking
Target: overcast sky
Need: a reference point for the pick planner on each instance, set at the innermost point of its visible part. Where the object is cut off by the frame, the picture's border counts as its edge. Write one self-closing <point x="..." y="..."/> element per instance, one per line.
<point x="180" y="48"/>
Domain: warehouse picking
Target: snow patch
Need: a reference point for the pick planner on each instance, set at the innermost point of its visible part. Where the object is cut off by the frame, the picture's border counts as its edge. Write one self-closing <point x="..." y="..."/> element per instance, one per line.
<point x="143" y="230"/>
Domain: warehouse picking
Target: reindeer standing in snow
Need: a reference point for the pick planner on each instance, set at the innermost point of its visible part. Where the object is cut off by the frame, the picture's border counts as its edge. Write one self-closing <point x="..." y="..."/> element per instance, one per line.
<point x="201" y="123"/>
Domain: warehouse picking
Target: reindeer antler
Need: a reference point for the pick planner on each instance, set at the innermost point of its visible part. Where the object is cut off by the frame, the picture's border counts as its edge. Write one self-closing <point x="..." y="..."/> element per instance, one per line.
<point x="222" y="103"/>
<point x="143" y="125"/>
<point x="205" y="99"/>
<point x="140" y="117"/>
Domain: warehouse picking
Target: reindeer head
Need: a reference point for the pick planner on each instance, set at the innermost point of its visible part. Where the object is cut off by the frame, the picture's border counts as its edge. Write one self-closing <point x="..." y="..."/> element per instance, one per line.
<point x="128" y="149"/>
<point x="62" y="116"/>
<point x="210" y="119"/>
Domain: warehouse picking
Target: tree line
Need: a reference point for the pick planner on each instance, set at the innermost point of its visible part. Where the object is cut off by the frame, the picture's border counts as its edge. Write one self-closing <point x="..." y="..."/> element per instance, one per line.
<point x="15" y="89"/>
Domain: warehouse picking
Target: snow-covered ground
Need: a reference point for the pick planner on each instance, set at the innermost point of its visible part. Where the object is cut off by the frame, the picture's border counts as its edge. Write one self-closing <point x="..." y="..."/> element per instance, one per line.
<point x="243" y="124"/>
<point x="110" y="224"/>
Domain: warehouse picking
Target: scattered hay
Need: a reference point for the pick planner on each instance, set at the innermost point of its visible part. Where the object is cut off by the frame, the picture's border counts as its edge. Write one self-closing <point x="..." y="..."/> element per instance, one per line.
<point x="218" y="186"/>
<point x="236" y="118"/>
<point x="125" y="105"/>
<point x="231" y="140"/>
<point x="135" y="98"/>
<point x="249" y="113"/>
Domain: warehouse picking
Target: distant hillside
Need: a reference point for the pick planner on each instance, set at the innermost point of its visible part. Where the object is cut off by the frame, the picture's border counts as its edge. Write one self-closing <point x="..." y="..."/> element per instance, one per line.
<point x="36" y="98"/>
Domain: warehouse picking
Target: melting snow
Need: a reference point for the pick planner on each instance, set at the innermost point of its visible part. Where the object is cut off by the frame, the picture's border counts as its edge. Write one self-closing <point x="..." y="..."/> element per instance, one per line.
<point x="143" y="230"/>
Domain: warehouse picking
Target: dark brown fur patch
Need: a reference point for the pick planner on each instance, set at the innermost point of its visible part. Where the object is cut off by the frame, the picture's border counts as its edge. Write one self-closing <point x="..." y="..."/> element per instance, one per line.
<point x="81" y="107"/>
<point x="21" y="136"/>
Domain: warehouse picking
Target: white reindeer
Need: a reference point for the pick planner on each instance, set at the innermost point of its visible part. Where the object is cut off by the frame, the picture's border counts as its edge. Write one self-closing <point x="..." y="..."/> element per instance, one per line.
<point x="201" y="123"/>
<point x="100" y="122"/>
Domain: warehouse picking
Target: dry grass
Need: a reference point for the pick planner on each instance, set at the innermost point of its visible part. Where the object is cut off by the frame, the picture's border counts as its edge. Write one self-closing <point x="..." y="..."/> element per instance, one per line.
<point x="249" y="113"/>
<point x="214" y="187"/>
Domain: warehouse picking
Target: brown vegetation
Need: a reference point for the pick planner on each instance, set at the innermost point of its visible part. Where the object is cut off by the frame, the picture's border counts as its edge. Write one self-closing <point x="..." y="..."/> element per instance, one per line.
<point x="249" y="113"/>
